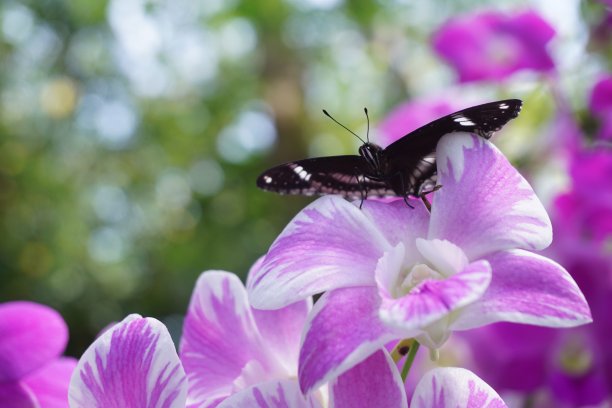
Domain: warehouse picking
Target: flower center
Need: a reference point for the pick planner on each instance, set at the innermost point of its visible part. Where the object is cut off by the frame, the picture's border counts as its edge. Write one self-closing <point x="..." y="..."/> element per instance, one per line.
<point x="414" y="276"/>
<point x="576" y="359"/>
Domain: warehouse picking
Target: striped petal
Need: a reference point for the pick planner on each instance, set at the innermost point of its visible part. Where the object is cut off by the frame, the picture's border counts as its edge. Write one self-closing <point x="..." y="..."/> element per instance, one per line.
<point x="375" y="382"/>
<point x="484" y="204"/>
<point x="527" y="288"/>
<point x="134" y="364"/>
<point x="344" y="329"/>
<point x="328" y="245"/>
<point x="271" y="394"/>
<point x="452" y="387"/>
<point x="221" y="348"/>
<point x="281" y="328"/>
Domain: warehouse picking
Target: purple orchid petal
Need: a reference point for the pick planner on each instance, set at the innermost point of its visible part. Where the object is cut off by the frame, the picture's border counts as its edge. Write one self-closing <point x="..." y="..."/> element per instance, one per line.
<point x="375" y="382"/>
<point x="50" y="383"/>
<point x="527" y="288"/>
<point x="134" y="364"/>
<point x="344" y="329"/>
<point x="433" y="299"/>
<point x="347" y="245"/>
<point x="281" y="328"/>
<point x="271" y="394"/>
<point x="14" y="394"/>
<point x="503" y="211"/>
<point x="282" y="331"/>
<point x="32" y="335"/>
<point x="453" y="387"/>
<point x="398" y="223"/>
<point x="222" y="349"/>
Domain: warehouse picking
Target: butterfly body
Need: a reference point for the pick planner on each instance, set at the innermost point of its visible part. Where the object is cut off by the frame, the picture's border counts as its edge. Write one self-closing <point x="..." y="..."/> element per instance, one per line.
<point x="405" y="168"/>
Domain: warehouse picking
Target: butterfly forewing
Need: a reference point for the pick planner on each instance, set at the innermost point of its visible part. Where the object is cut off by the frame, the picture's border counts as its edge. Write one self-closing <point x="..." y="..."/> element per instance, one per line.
<point x="342" y="175"/>
<point x="406" y="155"/>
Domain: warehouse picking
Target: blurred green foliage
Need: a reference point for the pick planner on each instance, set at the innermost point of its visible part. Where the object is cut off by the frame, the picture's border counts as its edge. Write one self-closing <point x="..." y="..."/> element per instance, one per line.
<point x="132" y="131"/>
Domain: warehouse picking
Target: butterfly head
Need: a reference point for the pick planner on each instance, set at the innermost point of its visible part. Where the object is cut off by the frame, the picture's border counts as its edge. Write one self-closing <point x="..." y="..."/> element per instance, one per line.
<point x="373" y="155"/>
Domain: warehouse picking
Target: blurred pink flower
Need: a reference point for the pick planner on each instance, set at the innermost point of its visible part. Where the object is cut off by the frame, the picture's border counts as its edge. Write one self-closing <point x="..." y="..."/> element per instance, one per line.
<point x="32" y="371"/>
<point x="410" y="116"/>
<point x="493" y="45"/>
<point x="601" y="106"/>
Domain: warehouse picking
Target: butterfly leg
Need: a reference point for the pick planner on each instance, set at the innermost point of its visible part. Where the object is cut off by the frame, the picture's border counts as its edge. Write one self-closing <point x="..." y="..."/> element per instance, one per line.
<point x="423" y="196"/>
<point x="364" y="190"/>
<point x="404" y="189"/>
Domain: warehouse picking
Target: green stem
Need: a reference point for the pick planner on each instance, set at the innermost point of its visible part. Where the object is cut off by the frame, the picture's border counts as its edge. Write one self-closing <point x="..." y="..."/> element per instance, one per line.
<point x="409" y="360"/>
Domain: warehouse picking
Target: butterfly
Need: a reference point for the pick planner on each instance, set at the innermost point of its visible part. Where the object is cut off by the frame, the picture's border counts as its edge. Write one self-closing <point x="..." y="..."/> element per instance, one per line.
<point x="405" y="168"/>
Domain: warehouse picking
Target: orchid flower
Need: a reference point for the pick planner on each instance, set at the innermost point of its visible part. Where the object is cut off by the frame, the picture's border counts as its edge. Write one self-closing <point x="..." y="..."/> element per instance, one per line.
<point x="392" y="272"/>
<point x="492" y="45"/>
<point x="32" y="373"/>
<point x="132" y="364"/>
<point x="571" y="367"/>
<point x="237" y="356"/>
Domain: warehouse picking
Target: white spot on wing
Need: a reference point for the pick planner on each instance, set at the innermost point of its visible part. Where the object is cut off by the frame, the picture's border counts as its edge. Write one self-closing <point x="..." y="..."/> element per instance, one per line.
<point x="503" y="106"/>
<point x="267" y="179"/>
<point x="463" y="121"/>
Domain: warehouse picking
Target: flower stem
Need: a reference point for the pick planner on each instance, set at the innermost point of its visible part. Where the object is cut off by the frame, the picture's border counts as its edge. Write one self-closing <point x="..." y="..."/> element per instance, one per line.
<point x="410" y="359"/>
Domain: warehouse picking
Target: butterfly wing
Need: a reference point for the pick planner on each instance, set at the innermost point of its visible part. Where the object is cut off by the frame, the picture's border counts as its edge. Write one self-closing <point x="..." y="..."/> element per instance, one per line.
<point x="413" y="156"/>
<point x="342" y="175"/>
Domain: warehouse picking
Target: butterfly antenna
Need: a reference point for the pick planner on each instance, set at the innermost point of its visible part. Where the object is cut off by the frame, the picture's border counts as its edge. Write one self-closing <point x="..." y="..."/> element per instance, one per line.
<point x="368" y="119"/>
<point x="330" y="116"/>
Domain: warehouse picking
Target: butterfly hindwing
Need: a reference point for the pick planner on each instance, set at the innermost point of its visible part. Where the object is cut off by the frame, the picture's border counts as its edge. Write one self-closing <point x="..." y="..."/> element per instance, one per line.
<point x="342" y="175"/>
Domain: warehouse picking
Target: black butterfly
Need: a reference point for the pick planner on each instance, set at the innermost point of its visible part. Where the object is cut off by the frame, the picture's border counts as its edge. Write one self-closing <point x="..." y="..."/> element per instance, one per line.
<point x="405" y="168"/>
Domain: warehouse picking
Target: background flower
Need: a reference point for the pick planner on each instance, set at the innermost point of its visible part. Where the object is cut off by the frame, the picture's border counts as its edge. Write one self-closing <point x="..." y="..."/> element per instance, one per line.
<point x="32" y="371"/>
<point x="492" y="45"/>
<point x="601" y="106"/>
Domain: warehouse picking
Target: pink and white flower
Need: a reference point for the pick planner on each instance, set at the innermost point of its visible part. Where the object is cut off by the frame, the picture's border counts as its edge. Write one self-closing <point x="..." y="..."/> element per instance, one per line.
<point x="238" y="356"/>
<point x="393" y="272"/>
<point x="133" y="364"/>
